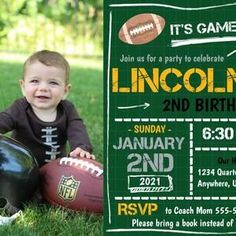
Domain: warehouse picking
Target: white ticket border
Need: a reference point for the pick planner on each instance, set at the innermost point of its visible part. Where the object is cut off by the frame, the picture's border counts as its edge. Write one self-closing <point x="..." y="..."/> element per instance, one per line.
<point x="191" y="150"/>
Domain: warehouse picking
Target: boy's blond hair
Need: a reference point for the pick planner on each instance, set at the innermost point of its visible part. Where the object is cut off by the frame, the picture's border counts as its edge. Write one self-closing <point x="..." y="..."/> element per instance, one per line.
<point x="49" y="58"/>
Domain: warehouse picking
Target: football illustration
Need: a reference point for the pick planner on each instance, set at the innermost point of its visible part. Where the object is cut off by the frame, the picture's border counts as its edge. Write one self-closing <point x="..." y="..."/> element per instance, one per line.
<point x="73" y="183"/>
<point x="142" y="28"/>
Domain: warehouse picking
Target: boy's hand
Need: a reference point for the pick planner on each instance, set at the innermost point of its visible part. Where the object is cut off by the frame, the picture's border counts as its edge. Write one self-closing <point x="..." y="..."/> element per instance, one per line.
<point x="79" y="152"/>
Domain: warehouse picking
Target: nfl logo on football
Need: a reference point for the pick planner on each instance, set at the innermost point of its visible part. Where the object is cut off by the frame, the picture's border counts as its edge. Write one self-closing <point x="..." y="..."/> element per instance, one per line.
<point x="67" y="188"/>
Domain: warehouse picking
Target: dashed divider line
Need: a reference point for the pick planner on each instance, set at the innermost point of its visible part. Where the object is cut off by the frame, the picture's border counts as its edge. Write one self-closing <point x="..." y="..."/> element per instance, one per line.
<point x="214" y="149"/>
<point x="179" y="198"/>
<point x="175" y="119"/>
<point x="191" y="159"/>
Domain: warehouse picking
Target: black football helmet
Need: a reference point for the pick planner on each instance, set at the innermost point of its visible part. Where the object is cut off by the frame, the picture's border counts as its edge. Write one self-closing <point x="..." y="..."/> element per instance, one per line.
<point x="19" y="174"/>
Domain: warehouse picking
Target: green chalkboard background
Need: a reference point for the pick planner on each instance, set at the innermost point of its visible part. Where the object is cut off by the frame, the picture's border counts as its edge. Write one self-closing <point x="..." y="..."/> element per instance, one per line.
<point x="200" y="151"/>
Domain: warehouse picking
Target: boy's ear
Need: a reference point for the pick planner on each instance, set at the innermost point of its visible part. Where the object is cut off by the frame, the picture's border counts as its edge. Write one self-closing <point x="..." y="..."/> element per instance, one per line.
<point x="22" y="85"/>
<point x="67" y="90"/>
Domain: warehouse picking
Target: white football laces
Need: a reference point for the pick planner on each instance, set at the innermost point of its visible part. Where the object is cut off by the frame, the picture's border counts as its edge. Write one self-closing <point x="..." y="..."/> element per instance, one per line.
<point x="83" y="164"/>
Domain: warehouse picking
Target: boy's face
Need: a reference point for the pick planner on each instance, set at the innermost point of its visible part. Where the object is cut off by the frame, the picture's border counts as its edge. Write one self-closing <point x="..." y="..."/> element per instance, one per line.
<point x="44" y="86"/>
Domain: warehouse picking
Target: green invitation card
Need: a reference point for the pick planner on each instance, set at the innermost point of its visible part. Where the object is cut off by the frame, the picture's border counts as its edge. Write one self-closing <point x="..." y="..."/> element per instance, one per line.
<point x="170" y="117"/>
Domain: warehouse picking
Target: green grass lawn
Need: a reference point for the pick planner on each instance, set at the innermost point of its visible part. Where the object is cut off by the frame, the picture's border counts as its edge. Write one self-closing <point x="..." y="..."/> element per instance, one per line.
<point x="86" y="94"/>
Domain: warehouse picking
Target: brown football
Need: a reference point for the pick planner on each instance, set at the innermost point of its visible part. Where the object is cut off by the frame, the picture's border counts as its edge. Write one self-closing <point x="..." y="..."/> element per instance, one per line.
<point x="142" y="28"/>
<point x="73" y="183"/>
